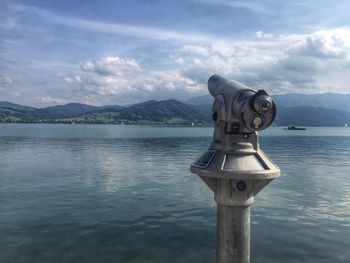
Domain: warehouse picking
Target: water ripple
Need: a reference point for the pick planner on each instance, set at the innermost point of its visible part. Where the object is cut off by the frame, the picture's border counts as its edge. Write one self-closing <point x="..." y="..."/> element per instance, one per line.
<point x="103" y="198"/>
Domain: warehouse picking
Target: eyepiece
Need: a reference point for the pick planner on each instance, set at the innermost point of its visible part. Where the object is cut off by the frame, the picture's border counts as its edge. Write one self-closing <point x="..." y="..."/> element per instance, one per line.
<point x="261" y="112"/>
<point x="262" y="104"/>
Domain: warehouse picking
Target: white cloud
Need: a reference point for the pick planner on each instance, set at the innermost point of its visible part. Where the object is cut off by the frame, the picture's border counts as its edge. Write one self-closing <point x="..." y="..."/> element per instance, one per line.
<point x="125" y="78"/>
<point x="88" y="66"/>
<point x="261" y="34"/>
<point x="111" y="65"/>
<point x="179" y="61"/>
<point x="198" y="50"/>
<point x="325" y="44"/>
<point x="314" y="62"/>
<point x="5" y="82"/>
<point x="75" y="79"/>
<point x="48" y="100"/>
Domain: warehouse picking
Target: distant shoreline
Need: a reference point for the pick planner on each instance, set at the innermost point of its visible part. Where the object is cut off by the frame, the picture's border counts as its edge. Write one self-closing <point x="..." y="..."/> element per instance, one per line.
<point x="114" y="124"/>
<point x="150" y="125"/>
<point x="176" y="113"/>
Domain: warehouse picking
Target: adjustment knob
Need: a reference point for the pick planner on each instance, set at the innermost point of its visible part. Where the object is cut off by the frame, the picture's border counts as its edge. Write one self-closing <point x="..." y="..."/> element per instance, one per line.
<point x="257" y="122"/>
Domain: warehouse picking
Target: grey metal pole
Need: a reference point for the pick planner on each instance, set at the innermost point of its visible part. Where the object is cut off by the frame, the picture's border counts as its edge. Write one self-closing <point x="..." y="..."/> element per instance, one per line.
<point x="233" y="234"/>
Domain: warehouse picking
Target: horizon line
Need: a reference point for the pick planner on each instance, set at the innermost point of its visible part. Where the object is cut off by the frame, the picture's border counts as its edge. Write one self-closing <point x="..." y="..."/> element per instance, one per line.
<point x="182" y="100"/>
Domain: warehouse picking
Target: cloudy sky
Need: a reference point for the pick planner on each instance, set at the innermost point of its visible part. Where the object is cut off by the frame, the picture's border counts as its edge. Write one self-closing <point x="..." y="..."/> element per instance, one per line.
<point x="121" y="52"/>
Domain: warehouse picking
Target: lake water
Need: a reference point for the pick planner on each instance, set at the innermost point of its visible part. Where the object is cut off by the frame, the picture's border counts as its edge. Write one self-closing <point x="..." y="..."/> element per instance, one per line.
<point x="98" y="193"/>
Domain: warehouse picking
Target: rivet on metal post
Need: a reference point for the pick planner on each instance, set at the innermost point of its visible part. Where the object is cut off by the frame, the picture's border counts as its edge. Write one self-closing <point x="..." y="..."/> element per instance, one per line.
<point x="234" y="167"/>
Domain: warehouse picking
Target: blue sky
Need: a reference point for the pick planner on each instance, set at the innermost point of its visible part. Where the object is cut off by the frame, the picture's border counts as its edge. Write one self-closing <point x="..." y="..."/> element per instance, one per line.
<point x="121" y="52"/>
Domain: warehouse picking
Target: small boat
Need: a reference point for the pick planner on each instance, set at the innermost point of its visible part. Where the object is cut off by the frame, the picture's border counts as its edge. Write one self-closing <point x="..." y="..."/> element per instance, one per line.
<point x="293" y="128"/>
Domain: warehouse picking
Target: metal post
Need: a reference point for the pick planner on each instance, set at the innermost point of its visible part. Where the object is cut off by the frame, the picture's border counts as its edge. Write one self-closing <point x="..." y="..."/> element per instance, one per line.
<point x="233" y="233"/>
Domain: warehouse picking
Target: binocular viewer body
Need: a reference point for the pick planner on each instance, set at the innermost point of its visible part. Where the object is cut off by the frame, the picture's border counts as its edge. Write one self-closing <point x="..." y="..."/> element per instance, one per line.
<point x="234" y="167"/>
<point x="238" y="113"/>
<point x="242" y="109"/>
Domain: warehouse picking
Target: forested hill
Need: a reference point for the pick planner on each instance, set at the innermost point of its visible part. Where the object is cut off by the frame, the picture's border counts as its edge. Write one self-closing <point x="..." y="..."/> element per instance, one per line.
<point x="167" y="112"/>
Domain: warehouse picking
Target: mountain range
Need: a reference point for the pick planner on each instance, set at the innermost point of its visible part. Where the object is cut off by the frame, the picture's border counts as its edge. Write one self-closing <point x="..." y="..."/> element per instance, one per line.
<point x="167" y="112"/>
<point x="323" y="100"/>
<point x="327" y="109"/>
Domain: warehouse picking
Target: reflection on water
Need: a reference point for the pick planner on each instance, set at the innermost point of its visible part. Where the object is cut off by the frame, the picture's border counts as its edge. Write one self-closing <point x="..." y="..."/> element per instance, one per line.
<point x="127" y="196"/>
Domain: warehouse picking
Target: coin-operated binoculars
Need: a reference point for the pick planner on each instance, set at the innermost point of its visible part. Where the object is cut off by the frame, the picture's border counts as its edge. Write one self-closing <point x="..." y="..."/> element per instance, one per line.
<point x="234" y="167"/>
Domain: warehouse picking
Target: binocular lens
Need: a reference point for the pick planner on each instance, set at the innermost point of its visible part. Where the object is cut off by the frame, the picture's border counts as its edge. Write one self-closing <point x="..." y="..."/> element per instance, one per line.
<point x="263" y="104"/>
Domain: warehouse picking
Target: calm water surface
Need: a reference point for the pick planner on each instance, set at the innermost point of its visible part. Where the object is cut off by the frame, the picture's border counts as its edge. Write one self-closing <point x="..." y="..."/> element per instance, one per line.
<point x="98" y="193"/>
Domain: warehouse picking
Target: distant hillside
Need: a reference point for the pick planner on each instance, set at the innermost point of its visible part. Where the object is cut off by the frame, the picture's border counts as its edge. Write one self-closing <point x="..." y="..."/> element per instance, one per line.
<point x="65" y="110"/>
<point x="11" y="112"/>
<point x="13" y="106"/>
<point x="71" y="109"/>
<point x="170" y="112"/>
<point x="324" y="100"/>
<point x="167" y="112"/>
<point x="311" y="116"/>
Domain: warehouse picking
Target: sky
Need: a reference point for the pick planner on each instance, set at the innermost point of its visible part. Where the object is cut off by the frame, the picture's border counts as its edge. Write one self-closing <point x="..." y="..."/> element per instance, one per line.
<point x="122" y="52"/>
